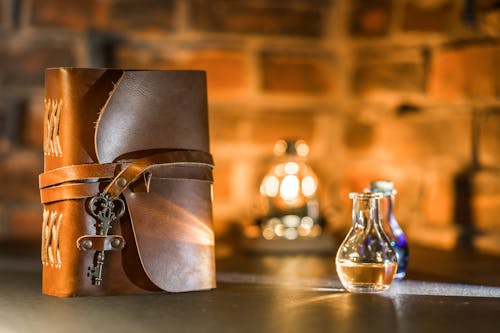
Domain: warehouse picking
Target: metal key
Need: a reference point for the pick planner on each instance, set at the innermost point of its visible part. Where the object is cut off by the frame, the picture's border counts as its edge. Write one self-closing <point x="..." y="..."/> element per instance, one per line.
<point x="106" y="210"/>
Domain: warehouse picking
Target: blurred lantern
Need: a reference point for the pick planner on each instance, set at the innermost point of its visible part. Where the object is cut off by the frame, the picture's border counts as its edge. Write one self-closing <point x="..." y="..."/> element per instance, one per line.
<point x="289" y="192"/>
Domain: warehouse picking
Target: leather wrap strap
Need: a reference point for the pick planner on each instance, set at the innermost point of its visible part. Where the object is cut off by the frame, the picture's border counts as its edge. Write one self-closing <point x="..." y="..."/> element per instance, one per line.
<point x="80" y="172"/>
<point x="69" y="192"/>
<point x="135" y="169"/>
<point x="83" y="181"/>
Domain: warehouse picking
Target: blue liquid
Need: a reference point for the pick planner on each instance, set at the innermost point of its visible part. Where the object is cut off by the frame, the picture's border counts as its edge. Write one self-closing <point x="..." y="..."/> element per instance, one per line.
<point x="400" y="245"/>
<point x="392" y="229"/>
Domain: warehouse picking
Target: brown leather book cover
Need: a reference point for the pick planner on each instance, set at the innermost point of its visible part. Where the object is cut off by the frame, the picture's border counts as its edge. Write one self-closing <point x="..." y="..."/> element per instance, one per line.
<point x="126" y="188"/>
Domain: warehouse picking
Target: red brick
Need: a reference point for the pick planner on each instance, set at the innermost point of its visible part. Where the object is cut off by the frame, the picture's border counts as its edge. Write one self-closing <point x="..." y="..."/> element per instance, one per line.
<point x="224" y="125"/>
<point x="440" y="136"/>
<point x="25" y="222"/>
<point x="12" y="114"/>
<point x="232" y="196"/>
<point x="381" y="77"/>
<point x="370" y="18"/>
<point x="483" y="5"/>
<point x="22" y="61"/>
<point x="408" y="182"/>
<point x="490" y="23"/>
<point x="222" y="181"/>
<point x="438" y="195"/>
<point x="19" y="172"/>
<point x="33" y="126"/>
<point x="488" y="17"/>
<point x="412" y="150"/>
<point x="465" y="72"/>
<point x="144" y="15"/>
<point x="296" y="72"/>
<point x="486" y="200"/>
<point x="389" y="69"/>
<point x="142" y="57"/>
<point x="77" y="15"/>
<point x="358" y="134"/>
<point x="227" y="69"/>
<point x="269" y="126"/>
<point x="432" y="16"/>
<point x="293" y="17"/>
<point x="496" y="74"/>
<point x="444" y="238"/>
<point x="489" y="138"/>
<point x="428" y="136"/>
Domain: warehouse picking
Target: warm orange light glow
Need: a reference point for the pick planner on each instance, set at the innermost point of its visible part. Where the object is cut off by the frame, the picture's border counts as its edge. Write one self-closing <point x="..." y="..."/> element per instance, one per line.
<point x="307" y="222"/>
<point x="291" y="233"/>
<point x="280" y="147"/>
<point x="291" y="168"/>
<point x="270" y="186"/>
<point x="279" y="230"/>
<point x="279" y="169"/>
<point x="289" y="189"/>
<point x="302" y="148"/>
<point x="308" y="186"/>
<point x="292" y="221"/>
<point x="268" y="233"/>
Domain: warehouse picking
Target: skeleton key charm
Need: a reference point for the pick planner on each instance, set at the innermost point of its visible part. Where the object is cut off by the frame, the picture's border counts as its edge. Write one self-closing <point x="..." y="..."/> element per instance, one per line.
<point x="106" y="210"/>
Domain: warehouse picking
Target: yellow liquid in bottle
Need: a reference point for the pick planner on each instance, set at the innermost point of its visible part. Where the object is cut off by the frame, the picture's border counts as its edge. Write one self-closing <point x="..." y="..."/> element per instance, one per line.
<point x="366" y="277"/>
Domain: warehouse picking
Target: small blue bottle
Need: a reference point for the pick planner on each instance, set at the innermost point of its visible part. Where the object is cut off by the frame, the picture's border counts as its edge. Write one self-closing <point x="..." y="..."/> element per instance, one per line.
<point x="390" y="224"/>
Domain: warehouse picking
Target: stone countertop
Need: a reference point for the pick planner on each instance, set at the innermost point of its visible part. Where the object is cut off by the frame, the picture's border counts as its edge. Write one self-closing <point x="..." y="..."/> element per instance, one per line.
<point x="294" y="293"/>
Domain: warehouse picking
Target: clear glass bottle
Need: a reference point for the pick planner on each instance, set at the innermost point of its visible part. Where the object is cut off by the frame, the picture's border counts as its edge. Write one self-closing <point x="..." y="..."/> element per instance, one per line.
<point x="390" y="224"/>
<point x="366" y="261"/>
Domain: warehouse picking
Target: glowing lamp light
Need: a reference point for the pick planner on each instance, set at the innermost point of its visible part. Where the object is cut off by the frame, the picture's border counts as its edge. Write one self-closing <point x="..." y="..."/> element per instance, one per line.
<point x="309" y="186"/>
<point x="289" y="188"/>
<point x="270" y="186"/>
<point x="290" y="192"/>
<point x="291" y="168"/>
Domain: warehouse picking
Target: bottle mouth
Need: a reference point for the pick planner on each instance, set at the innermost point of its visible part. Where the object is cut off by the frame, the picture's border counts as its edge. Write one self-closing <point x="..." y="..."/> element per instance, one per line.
<point x="386" y="187"/>
<point x="365" y="195"/>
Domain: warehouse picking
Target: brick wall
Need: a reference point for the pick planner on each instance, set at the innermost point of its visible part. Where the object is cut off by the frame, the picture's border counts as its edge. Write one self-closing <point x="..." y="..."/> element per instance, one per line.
<point x="407" y="90"/>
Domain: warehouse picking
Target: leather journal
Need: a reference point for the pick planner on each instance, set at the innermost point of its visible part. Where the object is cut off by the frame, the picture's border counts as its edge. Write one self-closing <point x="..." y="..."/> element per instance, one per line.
<point x="127" y="181"/>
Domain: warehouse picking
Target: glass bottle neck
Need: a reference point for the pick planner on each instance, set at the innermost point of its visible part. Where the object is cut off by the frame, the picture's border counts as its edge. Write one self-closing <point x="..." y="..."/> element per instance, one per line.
<point x="366" y="212"/>
<point x="387" y="206"/>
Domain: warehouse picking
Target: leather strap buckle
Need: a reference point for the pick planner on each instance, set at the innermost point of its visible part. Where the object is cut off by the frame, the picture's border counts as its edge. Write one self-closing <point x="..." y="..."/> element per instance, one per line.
<point x="100" y="243"/>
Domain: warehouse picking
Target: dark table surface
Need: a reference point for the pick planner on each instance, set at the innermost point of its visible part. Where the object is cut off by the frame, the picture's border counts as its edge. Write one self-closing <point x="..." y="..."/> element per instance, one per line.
<point x="444" y="292"/>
